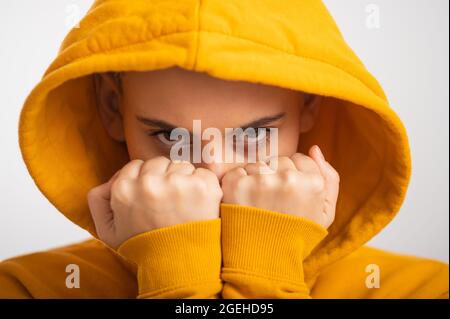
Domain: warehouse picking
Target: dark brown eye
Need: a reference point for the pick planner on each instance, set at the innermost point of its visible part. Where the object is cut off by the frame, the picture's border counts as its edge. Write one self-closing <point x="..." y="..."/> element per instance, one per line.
<point x="163" y="136"/>
<point x="254" y="135"/>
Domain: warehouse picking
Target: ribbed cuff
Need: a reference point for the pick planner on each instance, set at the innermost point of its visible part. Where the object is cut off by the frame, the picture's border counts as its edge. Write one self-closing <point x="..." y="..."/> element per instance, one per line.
<point x="267" y="243"/>
<point x="176" y="256"/>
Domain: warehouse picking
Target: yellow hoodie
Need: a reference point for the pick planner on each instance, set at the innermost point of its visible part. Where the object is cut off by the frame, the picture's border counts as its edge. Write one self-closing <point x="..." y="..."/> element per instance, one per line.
<point x="247" y="252"/>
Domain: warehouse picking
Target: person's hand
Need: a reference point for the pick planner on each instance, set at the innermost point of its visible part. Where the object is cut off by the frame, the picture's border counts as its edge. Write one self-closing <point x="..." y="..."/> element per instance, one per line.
<point x="144" y="196"/>
<point x="301" y="186"/>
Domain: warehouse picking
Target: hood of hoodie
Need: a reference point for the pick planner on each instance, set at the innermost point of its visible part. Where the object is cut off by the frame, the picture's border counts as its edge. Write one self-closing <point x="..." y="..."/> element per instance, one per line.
<point x="293" y="44"/>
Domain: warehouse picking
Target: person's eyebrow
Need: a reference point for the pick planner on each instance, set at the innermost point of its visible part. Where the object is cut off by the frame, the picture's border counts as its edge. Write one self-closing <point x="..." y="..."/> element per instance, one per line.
<point x="168" y="126"/>
<point x="156" y="123"/>
<point x="263" y="121"/>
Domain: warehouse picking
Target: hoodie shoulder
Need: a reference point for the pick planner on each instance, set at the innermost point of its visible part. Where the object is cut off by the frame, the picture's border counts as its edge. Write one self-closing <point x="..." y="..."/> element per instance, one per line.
<point x="373" y="273"/>
<point x="82" y="270"/>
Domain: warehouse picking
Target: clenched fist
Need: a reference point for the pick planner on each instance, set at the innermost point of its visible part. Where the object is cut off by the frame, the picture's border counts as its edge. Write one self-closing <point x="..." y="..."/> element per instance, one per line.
<point x="144" y="196"/>
<point x="301" y="186"/>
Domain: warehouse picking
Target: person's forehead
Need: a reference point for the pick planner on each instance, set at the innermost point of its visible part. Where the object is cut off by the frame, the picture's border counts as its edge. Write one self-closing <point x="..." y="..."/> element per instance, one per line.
<point x="177" y="83"/>
<point x="215" y="102"/>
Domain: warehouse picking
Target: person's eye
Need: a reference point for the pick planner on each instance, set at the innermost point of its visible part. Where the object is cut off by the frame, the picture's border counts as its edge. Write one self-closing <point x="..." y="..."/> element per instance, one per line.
<point x="164" y="137"/>
<point x="256" y="135"/>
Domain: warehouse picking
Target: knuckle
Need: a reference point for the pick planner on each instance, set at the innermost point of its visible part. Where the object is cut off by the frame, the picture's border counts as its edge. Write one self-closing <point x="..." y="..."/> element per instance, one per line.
<point x="288" y="174"/>
<point x="296" y="158"/>
<point x="125" y="172"/>
<point x="309" y="162"/>
<point x="203" y="171"/>
<point x="264" y="181"/>
<point x="120" y="193"/>
<point x="147" y="186"/>
<point x="173" y="179"/>
<point x="135" y="162"/>
<point x="160" y="158"/>
<point x="209" y="174"/>
<point x="285" y="160"/>
<point x="120" y="186"/>
<point x="150" y="164"/>
<point x="253" y="168"/>
<point x="230" y="178"/>
<point x="289" y="178"/>
<point x="188" y="164"/>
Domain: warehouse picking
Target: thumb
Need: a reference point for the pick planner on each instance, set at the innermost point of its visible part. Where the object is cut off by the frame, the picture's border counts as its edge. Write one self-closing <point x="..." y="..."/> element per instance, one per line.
<point x="329" y="174"/>
<point x="99" y="205"/>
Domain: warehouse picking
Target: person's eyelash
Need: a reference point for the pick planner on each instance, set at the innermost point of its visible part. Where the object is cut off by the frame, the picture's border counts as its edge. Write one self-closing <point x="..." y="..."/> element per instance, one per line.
<point x="167" y="133"/>
<point x="157" y="132"/>
<point x="168" y="143"/>
<point x="267" y="129"/>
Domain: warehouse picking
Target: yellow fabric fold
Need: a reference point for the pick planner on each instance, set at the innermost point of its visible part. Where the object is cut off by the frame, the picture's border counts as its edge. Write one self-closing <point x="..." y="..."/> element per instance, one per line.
<point x="180" y="261"/>
<point x="263" y="252"/>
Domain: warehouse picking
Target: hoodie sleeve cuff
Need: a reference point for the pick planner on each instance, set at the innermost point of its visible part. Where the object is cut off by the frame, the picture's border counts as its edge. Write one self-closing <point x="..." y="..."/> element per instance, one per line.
<point x="184" y="257"/>
<point x="266" y="243"/>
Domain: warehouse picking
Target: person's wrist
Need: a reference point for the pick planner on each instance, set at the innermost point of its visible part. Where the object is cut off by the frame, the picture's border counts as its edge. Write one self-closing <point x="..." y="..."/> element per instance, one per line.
<point x="183" y="254"/>
<point x="267" y="243"/>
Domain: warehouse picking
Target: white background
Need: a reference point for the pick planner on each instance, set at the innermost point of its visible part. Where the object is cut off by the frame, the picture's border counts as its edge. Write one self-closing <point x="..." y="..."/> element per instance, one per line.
<point x="407" y="52"/>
